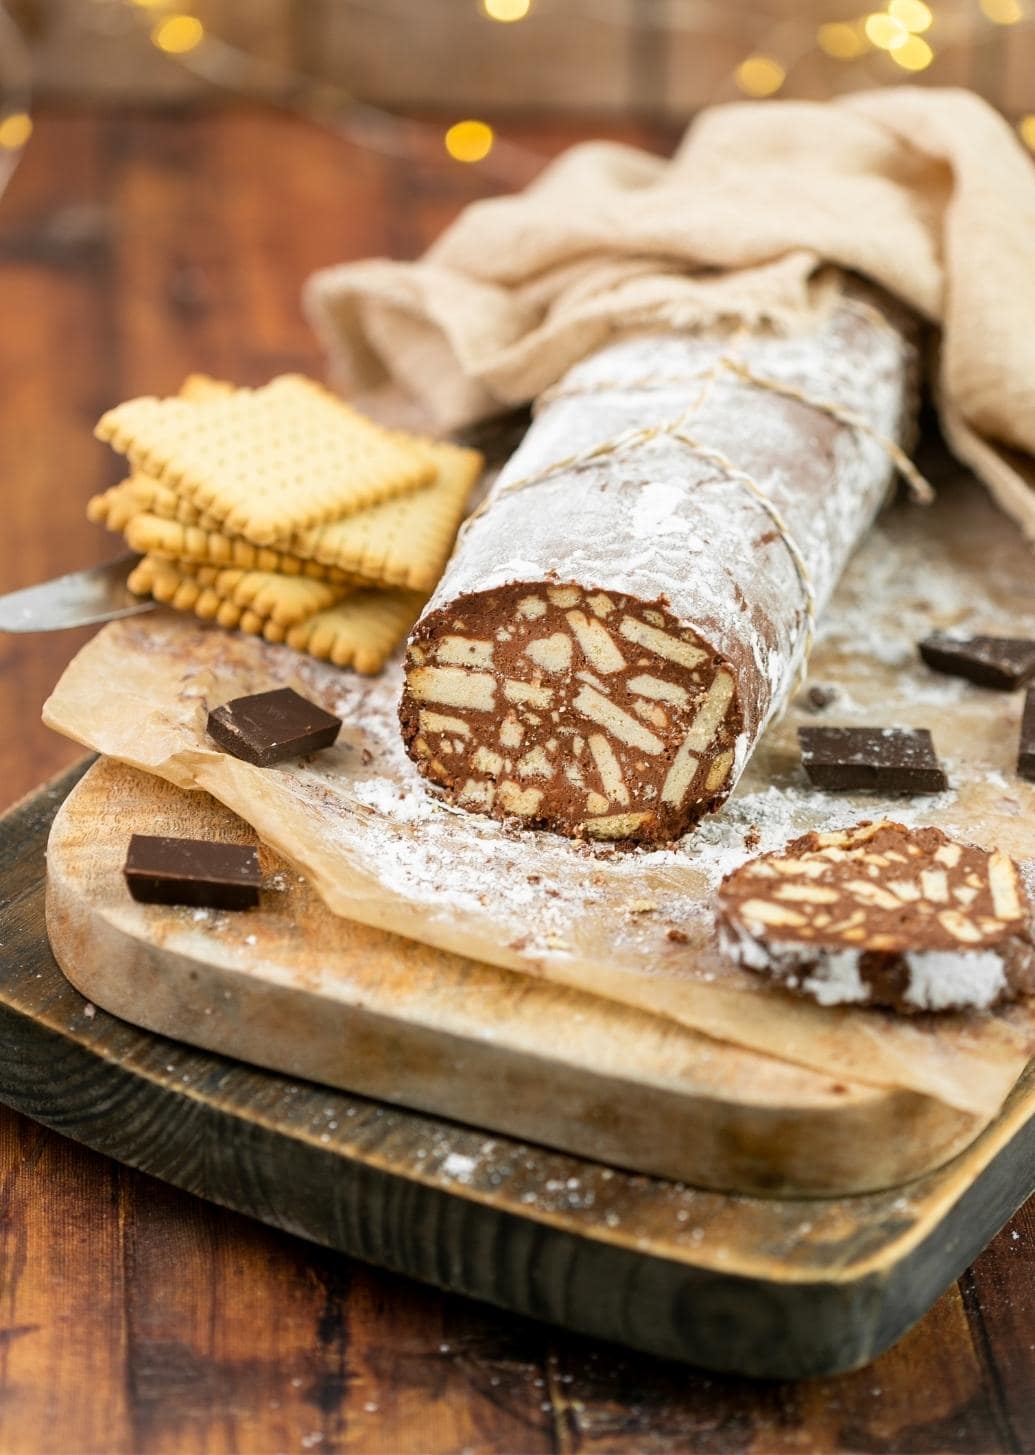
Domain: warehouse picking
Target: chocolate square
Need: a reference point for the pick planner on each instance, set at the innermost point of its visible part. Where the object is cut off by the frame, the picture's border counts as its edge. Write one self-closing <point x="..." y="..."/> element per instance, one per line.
<point x="200" y="872"/>
<point x="889" y="760"/>
<point x="271" y="727"/>
<point x="1003" y="662"/>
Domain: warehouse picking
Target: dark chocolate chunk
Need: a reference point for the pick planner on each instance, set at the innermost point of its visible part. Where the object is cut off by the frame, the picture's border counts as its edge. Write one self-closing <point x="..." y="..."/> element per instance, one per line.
<point x="893" y="760"/>
<point x="270" y="727"/>
<point x="1004" y="662"/>
<point x="192" y="871"/>
<point x="1026" y="750"/>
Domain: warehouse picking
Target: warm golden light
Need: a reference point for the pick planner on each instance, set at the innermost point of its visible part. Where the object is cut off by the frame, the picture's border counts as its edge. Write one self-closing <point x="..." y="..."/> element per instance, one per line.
<point x="913" y="54"/>
<point x="841" y="40"/>
<point x="15" y="130"/>
<point x="1003" y="12"/>
<point x="884" y="31"/>
<point x="1026" y="127"/>
<point x="506" y="11"/>
<point x="151" y="4"/>
<point x="178" y="34"/>
<point x="469" y="141"/>
<point x="913" y="14"/>
<point x="760" y="76"/>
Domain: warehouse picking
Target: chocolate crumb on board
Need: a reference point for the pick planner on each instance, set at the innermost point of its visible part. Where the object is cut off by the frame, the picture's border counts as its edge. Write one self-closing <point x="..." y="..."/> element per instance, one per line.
<point x="1003" y="662"/>
<point x="1026" y="747"/>
<point x="817" y="698"/>
<point x="889" y="760"/>
<point x="200" y="872"/>
<point x="271" y="727"/>
<point x="883" y="915"/>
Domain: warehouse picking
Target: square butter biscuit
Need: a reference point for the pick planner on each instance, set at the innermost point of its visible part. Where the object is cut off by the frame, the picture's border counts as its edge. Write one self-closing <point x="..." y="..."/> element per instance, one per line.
<point x="361" y="632"/>
<point x="269" y="461"/>
<point x="403" y="542"/>
<point x="198" y="546"/>
<point x="232" y="597"/>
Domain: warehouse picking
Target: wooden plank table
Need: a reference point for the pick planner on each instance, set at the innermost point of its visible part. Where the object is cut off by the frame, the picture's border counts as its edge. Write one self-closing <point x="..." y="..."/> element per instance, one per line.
<point x="134" y="248"/>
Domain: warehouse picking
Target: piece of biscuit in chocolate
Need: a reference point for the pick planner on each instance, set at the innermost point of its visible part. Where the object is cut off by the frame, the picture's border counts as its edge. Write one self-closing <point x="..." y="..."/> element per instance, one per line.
<point x="879" y="914"/>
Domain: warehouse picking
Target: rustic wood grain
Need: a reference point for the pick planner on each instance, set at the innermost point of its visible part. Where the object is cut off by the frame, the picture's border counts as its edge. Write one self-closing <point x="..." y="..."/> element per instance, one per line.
<point x="79" y="1367"/>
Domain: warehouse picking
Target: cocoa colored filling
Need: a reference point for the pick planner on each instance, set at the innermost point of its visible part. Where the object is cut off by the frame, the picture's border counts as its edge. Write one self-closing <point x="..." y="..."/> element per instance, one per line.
<point x="581" y="710"/>
<point x="878" y="887"/>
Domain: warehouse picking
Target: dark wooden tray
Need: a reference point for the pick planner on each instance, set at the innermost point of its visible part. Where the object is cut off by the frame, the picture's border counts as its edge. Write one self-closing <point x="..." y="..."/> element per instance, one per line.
<point x="762" y="1287"/>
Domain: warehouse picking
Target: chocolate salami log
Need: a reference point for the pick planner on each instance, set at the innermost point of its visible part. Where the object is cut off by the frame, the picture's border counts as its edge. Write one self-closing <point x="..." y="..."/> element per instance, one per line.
<point x="612" y="636"/>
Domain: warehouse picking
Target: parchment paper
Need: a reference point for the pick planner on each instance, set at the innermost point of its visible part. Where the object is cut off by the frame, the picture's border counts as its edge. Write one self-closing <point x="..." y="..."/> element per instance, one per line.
<point x="632" y="927"/>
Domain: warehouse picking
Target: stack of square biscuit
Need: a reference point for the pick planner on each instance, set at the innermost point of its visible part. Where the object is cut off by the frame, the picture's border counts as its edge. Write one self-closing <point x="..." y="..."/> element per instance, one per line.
<point x="283" y="512"/>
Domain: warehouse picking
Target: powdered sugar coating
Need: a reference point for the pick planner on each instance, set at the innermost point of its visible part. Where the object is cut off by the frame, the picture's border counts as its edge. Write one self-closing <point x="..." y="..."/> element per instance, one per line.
<point x="937" y="979"/>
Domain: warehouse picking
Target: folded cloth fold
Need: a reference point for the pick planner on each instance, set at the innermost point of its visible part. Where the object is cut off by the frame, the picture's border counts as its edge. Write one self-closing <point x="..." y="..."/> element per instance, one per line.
<point x="927" y="192"/>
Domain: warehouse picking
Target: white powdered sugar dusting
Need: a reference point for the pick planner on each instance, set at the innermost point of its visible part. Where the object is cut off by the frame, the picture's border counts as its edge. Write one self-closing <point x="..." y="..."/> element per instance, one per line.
<point x="940" y="978"/>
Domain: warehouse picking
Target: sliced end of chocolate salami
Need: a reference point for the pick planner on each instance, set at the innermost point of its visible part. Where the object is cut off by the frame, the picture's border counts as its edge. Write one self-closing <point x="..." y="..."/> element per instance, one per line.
<point x="883" y="915"/>
<point x="583" y="710"/>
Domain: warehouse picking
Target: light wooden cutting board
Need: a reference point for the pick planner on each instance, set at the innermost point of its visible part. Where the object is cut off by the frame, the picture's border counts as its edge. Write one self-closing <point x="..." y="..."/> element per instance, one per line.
<point x="300" y="990"/>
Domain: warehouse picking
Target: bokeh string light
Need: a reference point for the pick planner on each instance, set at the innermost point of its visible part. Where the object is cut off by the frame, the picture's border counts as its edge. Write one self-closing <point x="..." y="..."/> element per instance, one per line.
<point x="506" y="11"/>
<point x="905" y="34"/>
<point x="898" y="33"/>
<point x="183" y="38"/>
<point x="1003" y="12"/>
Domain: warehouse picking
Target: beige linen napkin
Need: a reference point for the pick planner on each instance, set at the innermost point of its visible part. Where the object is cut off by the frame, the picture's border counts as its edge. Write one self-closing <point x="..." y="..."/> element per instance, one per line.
<point x="928" y="192"/>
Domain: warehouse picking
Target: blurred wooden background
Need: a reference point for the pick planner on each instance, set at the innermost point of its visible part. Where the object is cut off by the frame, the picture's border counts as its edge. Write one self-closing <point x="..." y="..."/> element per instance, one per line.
<point x="659" y="59"/>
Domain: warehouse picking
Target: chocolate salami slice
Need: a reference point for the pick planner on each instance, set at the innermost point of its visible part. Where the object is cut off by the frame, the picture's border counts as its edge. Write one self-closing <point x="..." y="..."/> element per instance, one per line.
<point x="879" y="914"/>
<point x="612" y="635"/>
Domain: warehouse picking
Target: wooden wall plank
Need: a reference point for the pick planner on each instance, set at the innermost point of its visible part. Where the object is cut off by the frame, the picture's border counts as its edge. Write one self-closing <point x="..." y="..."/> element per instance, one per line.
<point x="400" y="54"/>
<point x="621" y="57"/>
